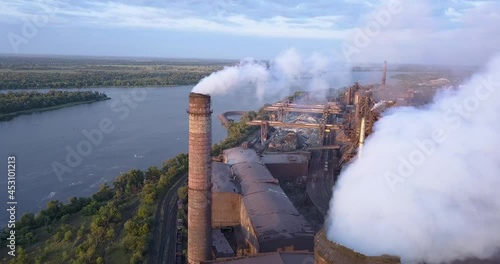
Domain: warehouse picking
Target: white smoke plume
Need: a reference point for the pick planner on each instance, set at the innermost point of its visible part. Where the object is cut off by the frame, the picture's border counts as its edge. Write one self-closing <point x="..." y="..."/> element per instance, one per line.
<point x="427" y="185"/>
<point x="277" y="78"/>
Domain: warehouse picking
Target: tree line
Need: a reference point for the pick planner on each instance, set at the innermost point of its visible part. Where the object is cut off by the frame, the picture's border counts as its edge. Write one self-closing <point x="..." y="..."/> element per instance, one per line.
<point x="12" y="102"/>
<point x="90" y="78"/>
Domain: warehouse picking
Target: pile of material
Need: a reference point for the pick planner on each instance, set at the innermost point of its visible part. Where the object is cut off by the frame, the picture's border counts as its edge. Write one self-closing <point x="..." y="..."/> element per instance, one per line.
<point x="287" y="139"/>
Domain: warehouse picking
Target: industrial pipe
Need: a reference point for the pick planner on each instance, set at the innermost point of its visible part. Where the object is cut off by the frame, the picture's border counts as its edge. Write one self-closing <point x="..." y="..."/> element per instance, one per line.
<point x="361" y="137"/>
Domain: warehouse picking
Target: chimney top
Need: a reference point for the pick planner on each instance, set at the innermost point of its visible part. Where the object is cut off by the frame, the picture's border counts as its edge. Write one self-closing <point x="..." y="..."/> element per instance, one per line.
<point x="200" y="95"/>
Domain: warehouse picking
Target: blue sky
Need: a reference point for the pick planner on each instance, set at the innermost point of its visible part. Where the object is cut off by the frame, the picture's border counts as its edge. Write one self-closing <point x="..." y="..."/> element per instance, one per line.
<point x="425" y="30"/>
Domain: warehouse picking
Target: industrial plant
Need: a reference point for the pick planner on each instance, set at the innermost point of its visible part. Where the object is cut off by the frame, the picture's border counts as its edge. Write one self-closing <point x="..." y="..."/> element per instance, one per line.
<point x="239" y="209"/>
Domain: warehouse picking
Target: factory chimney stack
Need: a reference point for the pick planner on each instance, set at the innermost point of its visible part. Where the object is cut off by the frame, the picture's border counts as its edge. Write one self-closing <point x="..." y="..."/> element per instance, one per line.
<point x="199" y="179"/>
<point x="384" y="73"/>
<point x="362" y="130"/>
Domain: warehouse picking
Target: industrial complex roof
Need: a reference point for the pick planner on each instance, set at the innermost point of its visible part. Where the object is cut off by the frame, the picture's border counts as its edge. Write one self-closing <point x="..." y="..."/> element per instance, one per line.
<point x="284" y="158"/>
<point x="240" y="155"/>
<point x="253" y="177"/>
<point x="222" y="179"/>
<point x="271" y="212"/>
<point x="220" y="243"/>
<point x="273" y="258"/>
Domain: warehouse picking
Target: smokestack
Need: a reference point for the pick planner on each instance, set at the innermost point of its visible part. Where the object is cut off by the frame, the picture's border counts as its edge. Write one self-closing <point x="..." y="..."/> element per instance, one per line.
<point x="361" y="137"/>
<point x="199" y="179"/>
<point x="384" y="73"/>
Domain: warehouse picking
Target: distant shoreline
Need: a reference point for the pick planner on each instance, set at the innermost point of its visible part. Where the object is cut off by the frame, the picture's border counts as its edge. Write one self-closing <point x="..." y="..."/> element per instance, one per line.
<point x="10" y="116"/>
<point x="92" y="87"/>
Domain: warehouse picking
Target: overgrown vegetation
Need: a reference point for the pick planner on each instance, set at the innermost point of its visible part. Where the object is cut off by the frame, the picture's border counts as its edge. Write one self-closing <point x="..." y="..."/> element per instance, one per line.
<point x="83" y="79"/>
<point x="66" y="72"/>
<point x="237" y="133"/>
<point x="182" y="215"/>
<point x="15" y="102"/>
<point x="112" y="226"/>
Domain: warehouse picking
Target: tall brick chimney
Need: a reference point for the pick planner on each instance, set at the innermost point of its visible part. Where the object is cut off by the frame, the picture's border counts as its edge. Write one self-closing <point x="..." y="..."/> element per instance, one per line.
<point x="384" y="73"/>
<point x="199" y="179"/>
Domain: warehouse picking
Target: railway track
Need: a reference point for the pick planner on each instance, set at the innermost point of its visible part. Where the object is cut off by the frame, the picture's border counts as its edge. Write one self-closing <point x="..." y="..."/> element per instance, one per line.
<point x="162" y="248"/>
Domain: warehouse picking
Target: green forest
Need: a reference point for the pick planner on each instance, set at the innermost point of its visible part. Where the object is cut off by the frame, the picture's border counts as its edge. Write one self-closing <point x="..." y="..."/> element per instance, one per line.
<point x="13" y="103"/>
<point x="82" y="79"/>
<point x="67" y="72"/>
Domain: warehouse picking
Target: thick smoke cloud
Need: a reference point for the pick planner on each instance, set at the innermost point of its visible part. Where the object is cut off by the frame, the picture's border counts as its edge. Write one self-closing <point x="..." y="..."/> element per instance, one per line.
<point x="278" y="78"/>
<point x="427" y="185"/>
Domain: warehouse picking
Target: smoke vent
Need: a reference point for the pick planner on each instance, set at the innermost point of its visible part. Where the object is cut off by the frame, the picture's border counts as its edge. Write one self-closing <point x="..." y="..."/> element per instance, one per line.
<point x="199" y="179"/>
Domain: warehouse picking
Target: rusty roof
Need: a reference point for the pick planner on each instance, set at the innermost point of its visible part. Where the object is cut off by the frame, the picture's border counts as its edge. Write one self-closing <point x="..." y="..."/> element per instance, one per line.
<point x="222" y="180"/>
<point x="284" y="158"/>
<point x="220" y="243"/>
<point x="271" y="212"/>
<point x="271" y="258"/>
<point x="240" y="155"/>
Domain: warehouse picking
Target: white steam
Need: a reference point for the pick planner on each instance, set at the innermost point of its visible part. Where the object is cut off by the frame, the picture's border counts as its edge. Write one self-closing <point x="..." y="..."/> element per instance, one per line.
<point x="428" y="184"/>
<point x="277" y="78"/>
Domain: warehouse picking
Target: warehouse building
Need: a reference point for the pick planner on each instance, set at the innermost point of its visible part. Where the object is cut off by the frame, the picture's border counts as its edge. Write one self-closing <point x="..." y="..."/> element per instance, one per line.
<point x="246" y="196"/>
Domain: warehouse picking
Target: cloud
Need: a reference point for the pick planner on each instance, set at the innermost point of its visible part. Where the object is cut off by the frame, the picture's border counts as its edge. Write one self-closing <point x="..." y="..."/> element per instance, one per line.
<point x="218" y="16"/>
<point x="456" y="32"/>
<point x="425" y="32"/>
<point x="453" y="14"/>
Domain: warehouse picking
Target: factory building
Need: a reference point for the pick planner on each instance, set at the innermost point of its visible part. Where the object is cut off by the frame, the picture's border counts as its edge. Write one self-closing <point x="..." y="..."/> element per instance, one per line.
<point x="226" y="197"/>
<point x="325" y="252"/>
<point x="287" y="167"/>
<point x="272" y="258"/>
<point x="246" y="195"/>
<point x="237" y="211"/>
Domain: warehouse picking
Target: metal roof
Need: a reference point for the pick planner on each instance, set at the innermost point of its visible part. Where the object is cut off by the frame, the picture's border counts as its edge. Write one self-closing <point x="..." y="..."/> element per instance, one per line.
<point x="271" y="212"/>
<point x="220" y="243"/>
<point x="222" y="179"/>
<point x="239" y="155"/>
<point x="272" y="258"/>
<point x="253" y="177"/>
<point x="284" y="158"/>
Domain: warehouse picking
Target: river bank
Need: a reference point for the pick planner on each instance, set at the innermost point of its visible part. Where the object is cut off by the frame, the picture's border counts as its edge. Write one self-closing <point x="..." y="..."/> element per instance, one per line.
<point x="10" y="116"/>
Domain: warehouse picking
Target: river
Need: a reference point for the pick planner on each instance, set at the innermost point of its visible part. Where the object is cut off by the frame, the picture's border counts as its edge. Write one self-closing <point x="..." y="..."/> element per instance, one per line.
<point x="149" y="127"/>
